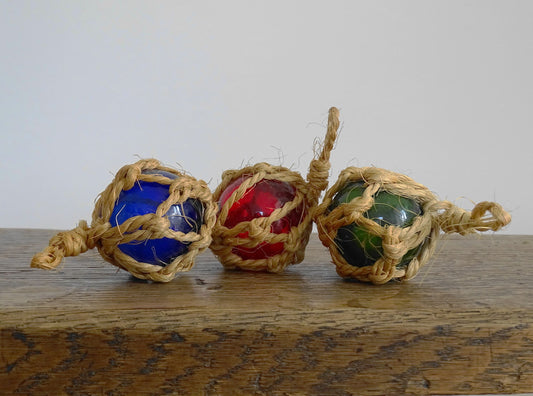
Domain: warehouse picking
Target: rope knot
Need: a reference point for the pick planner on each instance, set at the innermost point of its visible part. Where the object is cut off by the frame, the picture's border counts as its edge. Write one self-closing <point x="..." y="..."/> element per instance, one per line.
<point x="392" y="242"/>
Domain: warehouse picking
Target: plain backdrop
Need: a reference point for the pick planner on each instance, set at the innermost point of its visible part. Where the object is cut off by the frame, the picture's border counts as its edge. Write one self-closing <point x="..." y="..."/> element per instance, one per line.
<point x="439" y="90"/>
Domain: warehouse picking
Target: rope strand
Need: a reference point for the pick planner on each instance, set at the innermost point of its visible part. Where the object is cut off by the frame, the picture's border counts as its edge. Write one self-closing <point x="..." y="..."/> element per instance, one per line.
<point x="318" y="174"/>
<point x="66" y="244"/>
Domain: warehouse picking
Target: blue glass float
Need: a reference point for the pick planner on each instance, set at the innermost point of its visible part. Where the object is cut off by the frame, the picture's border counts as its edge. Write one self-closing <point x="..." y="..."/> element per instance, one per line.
<point x="361" y="248"/>
<point x="144" y="198"/>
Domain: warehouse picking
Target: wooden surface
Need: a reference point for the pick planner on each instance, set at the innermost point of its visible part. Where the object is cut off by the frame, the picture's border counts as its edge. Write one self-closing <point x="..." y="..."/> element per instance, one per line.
<point x="463" y="326"/>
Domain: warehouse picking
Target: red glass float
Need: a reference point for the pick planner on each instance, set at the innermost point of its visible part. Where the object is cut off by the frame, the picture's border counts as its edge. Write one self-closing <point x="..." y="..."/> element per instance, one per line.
<point x="264" y="220"/>
<point x="261" y="200"/>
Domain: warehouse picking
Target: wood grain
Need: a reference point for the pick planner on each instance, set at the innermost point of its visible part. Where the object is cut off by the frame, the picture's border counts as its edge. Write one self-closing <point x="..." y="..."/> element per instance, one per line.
<point x="463" y="326"/>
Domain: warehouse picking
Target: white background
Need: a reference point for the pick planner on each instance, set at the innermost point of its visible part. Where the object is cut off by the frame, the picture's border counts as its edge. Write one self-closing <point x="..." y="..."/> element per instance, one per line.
<point x="439" y="90"/>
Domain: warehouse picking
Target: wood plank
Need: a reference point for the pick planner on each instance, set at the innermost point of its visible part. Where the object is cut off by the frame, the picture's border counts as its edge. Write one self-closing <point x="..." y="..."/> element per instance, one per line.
<point x="463" y="326"/>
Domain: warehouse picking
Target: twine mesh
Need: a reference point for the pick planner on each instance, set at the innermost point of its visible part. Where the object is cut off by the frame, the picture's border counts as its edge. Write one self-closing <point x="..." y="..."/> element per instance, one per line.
<point x="259" y="229"/>
<point x="138" y="228"/>
<point x="397" y="241"/>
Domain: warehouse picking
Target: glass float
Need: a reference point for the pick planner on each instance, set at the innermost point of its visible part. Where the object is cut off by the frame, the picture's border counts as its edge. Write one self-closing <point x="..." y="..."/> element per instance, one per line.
<point x="151" y="221"/>
<point x="358" y="246"/>
<point x="144" y="198"/>
<point x="261" y="200"/>
<point x="380" y="225"/>
<point x="266" y="224"/>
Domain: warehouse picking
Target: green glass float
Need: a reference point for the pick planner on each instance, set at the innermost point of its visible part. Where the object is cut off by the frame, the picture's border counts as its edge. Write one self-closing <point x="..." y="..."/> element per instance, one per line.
<point x="358" y="246"/>
<point x="381" y="225"/>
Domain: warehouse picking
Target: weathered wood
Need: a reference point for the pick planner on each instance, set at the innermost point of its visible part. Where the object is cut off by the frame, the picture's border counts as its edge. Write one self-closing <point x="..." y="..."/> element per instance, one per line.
<point x="463" y="326"/>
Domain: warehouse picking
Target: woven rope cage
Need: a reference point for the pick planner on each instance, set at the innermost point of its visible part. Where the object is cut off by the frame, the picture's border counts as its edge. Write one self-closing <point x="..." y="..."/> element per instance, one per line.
<point x="137" y="229"/>
<point x="396" y="241"/>
<point x="256" y="232"/>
